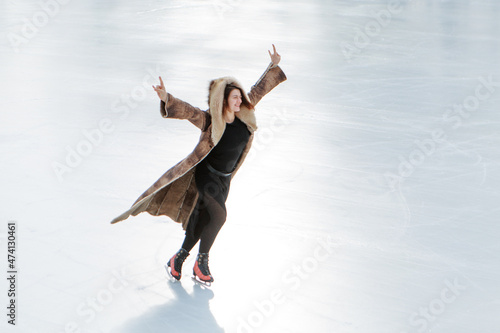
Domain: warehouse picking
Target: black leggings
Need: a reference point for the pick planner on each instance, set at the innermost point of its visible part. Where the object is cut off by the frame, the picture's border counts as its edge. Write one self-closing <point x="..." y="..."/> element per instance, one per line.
<point x="209" y="214"/>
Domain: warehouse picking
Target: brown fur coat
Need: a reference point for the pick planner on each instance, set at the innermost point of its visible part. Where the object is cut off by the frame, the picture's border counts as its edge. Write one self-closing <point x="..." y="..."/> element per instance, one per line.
<point x="174" y="194"/>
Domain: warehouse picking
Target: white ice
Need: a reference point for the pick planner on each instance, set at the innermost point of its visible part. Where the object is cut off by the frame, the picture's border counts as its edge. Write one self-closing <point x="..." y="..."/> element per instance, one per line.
<point x="370" y="202"/>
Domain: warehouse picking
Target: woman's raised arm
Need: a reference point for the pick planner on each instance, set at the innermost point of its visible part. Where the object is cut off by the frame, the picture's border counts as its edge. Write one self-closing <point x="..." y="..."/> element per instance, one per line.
<point x="273" y="75"/>
<point x="275" y="57"/>
<point x="161" y="91"/>
<point x="171" y="107"/>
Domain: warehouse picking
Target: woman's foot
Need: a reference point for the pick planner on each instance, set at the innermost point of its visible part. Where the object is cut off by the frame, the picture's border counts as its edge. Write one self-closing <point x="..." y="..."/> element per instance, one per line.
<point x="175" y="263"/>
<point x="201" y="271"/>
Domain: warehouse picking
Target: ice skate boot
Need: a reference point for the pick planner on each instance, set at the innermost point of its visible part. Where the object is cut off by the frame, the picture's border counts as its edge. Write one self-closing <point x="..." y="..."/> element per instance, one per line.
<point x="201" y="272"/>
<point x="174" y="265"/>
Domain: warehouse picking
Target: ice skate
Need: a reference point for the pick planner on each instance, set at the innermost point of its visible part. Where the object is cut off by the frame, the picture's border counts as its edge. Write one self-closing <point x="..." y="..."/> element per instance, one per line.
<point x="201" y="272"/>
<point x="174" y="265"/>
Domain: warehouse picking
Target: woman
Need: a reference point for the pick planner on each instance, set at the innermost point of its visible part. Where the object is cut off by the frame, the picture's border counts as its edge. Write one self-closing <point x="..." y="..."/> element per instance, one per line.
<point x="194" y="191"/>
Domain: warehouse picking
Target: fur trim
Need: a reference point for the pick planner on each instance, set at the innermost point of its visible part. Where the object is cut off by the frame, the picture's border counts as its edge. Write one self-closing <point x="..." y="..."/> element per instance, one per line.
<point x="216" y="105"/>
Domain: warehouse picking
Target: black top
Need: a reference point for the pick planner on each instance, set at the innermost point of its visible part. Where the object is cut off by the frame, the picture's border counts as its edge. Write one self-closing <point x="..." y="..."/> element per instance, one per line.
<point x="225" y="155"/>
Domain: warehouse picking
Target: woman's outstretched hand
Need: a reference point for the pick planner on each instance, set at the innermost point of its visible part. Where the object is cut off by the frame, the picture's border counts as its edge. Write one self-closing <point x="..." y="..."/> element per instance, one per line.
<point x="275" y="57"/>
<point x="160" y="90"/>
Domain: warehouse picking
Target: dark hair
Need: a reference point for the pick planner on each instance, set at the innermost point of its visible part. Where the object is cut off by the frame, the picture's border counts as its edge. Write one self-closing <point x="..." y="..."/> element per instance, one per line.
<point x="244" y="101"/>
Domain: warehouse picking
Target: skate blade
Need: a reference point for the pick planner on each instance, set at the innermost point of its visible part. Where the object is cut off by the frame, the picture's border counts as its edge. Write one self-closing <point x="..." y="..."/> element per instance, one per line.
<point x="201" y="282"/>
<point x="169" y="273"/>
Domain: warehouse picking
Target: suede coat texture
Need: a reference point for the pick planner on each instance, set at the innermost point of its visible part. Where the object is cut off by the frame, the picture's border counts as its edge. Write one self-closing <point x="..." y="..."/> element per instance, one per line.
<point x="175" y="194"/>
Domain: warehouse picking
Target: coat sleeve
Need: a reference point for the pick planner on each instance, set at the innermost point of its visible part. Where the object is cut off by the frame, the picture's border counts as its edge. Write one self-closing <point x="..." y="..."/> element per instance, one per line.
<point x="178" y="109"/>
<point x="270" y="79"/>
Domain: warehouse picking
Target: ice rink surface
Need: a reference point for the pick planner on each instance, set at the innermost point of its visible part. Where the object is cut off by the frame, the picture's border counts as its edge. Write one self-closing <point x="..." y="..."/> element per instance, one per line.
<point x="369" y="203"/>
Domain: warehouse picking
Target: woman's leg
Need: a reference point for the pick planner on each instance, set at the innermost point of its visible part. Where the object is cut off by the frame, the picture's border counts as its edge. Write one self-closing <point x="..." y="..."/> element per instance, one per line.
<point x="195" y="225"/>
<point x="205" y="211"/>
<point x="216" y="218"/>
<point x="189" y="242"/>
<point x="209" y="213"/>
<point x="211" y="219"/>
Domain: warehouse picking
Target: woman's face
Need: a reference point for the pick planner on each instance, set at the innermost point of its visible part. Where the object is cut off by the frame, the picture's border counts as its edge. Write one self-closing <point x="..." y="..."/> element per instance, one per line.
<point x="234" y="100"/>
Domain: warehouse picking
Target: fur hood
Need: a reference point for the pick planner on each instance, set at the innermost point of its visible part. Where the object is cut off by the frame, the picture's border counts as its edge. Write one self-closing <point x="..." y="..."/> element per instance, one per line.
<point x="216" y="105"/>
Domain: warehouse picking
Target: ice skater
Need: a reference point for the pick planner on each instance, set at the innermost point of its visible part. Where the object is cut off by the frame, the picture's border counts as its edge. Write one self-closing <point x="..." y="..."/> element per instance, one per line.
<point x="194" y="191"/>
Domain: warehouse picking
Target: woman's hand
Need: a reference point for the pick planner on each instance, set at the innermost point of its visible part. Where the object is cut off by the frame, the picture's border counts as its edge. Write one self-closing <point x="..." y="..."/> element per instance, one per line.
<point x="275" y="57"/>
<point x="160" y="90"/>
